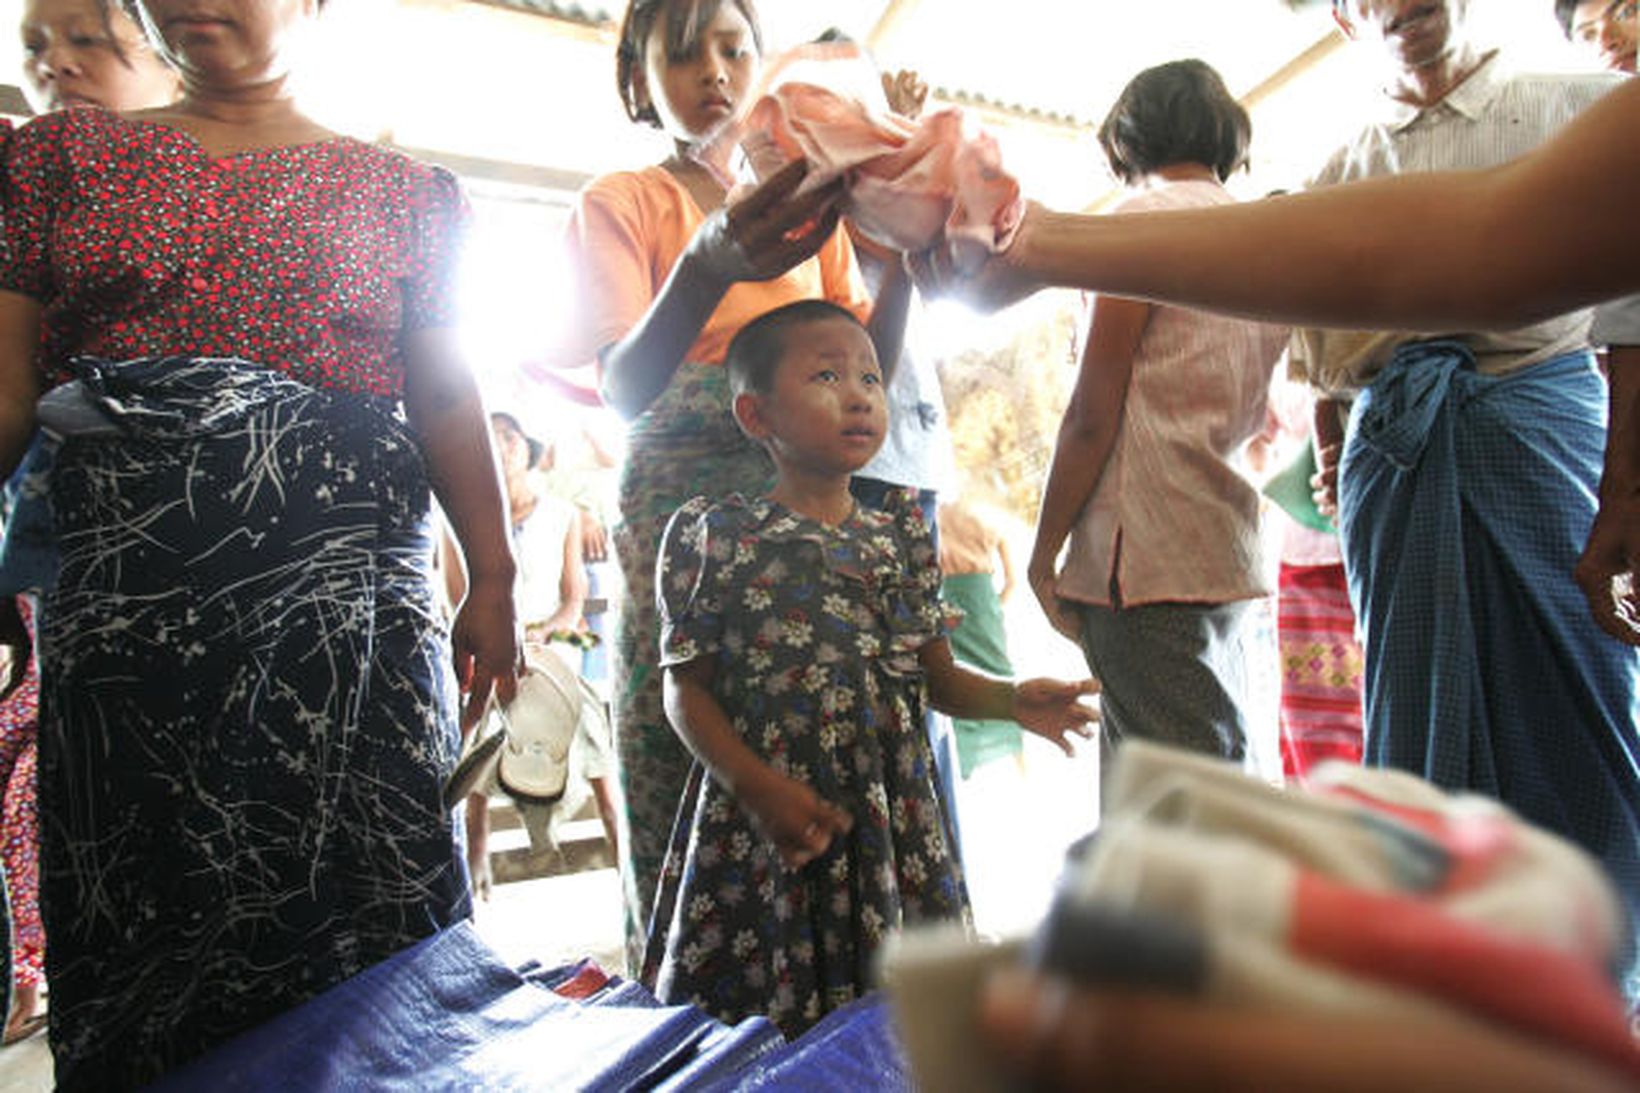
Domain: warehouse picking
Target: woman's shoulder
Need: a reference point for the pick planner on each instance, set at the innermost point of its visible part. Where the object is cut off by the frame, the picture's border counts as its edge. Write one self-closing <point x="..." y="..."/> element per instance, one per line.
<point x="649" y="187"/>
<point x="432" y="181"/>
<point x="76" y="125"/>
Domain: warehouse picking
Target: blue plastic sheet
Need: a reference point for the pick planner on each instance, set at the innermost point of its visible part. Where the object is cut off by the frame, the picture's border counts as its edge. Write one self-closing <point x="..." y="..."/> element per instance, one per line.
<point x="448" y="1014"/>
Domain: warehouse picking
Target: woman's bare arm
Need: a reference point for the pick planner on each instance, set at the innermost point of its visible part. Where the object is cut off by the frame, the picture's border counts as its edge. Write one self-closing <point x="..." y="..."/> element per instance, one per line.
<point x="442" y="403"/>
<point x="20" y="386"/>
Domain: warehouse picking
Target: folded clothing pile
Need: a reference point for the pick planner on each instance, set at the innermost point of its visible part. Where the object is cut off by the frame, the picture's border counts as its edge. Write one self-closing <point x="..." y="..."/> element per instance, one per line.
<point x="907" y="182"/>
<point x="1370" y="894"/>
<point x="1373" y="894"/>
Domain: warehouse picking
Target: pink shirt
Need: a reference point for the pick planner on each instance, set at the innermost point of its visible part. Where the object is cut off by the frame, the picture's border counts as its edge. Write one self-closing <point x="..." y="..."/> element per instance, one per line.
<point x="1172" y="519"/>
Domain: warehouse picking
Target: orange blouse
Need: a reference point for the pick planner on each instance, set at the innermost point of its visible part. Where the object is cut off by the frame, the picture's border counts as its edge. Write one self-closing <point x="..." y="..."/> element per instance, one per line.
<point x="627" y="232"/>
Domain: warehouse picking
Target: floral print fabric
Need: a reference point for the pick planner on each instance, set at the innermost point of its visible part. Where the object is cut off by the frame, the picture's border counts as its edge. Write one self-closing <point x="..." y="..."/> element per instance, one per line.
<point x="20" y="821"/>
<point x="313" y="259"/>
<point x="815" y="631"/>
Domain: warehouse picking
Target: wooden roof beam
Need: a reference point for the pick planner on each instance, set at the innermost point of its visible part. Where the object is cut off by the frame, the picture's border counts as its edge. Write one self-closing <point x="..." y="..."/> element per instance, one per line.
<point x="889" y="22"/>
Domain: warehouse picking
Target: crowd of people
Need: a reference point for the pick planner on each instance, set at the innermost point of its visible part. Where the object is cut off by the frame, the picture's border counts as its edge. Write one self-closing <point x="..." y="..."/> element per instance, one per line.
<point x="246" y="458"/>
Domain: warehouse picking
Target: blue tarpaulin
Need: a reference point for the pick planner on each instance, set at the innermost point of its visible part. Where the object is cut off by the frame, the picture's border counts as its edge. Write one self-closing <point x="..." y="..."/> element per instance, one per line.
<point x="449" y="1014"/>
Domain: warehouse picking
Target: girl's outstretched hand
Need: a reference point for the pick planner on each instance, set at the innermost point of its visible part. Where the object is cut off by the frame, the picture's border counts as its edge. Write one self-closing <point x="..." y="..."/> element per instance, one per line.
<point x="1053" y="709"/>
<point x="1056" y="1036"/>
<point x="799" y="822"/>
<point x="758" y="235"/>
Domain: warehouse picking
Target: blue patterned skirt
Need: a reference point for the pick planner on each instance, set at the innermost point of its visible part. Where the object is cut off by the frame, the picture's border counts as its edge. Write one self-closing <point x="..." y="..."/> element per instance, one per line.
<point x="246" y="715"/>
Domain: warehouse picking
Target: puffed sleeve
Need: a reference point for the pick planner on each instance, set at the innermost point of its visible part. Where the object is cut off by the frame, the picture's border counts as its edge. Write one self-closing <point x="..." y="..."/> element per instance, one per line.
<point x="917" y="613"/>
<point x="439" y="217"/>
<point x="32" y="185"/>
<point x="688" y="584"/>
<point x="608" y="244"/>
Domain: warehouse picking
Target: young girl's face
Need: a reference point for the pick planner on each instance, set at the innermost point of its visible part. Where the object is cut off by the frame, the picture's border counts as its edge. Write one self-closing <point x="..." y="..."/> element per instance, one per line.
<point x="696" y="92"/>
<point x="826" y="410"/>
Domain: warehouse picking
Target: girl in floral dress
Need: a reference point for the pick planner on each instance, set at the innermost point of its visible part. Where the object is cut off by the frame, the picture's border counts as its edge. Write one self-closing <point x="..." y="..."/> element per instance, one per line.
<point x="669" y="267"/>
<point x="801" y="638"/>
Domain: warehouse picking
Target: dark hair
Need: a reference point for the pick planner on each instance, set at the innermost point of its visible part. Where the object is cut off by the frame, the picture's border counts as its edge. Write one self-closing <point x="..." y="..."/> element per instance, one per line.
<point x="685" y="19"/>
<point x="1179" y="112"/>
<point x="1566" y="11"/>
<point x="755" y="351"/>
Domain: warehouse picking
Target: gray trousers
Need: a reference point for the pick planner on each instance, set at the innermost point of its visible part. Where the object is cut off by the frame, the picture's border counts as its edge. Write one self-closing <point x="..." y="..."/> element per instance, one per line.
<point x="1172" y="673"/>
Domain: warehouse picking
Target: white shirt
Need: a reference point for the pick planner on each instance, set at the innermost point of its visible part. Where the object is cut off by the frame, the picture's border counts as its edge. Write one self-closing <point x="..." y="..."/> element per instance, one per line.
<point x="538" y="544"/>
<point x="1493" y="117"/>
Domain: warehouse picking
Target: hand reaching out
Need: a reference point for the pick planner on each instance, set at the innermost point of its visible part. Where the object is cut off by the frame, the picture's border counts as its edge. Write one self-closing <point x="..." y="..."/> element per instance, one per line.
<point x="799" y="822"/>
<point x="759" y="235"/>
<point x="1057" y="1036"/>
<point x="1053" y="709"/>
<point x="998" y="282"/>
<point x="906" y="93"/>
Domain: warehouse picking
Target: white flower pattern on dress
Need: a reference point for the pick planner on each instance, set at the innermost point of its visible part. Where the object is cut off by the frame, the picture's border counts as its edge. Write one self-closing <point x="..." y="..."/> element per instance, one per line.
<point x="815" y="632"/>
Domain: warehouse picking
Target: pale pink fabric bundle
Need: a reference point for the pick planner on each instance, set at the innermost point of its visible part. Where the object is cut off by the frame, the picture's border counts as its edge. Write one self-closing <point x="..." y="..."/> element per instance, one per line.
<point x="908" y="182"/>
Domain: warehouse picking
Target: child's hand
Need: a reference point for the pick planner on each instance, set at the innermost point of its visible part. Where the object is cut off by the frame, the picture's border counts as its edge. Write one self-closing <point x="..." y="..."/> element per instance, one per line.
<point x="799" y="822"/>
<point x="1053" y="709"/>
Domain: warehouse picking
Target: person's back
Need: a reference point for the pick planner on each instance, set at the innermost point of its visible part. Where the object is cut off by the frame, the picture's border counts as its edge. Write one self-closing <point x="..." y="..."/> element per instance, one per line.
<point x="1164" y="551"/>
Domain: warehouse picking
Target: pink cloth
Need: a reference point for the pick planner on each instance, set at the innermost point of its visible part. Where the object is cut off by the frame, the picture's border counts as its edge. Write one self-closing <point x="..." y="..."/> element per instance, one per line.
<point x="908" y="182"/>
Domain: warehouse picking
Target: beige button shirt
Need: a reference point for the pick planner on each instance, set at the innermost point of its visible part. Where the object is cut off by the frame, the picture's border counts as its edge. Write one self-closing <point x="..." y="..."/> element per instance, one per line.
<point x="1494" y="116"/>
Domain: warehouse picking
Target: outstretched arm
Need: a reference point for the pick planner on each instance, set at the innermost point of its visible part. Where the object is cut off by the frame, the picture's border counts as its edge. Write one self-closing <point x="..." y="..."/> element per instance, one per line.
<point x="1549" y="232"/>
<point x="1049" y="708"/>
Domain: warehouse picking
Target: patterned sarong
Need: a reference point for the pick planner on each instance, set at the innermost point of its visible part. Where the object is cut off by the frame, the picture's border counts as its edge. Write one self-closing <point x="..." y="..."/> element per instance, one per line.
<point x="246" y="711"/>
<point x="1320" y="669"/>
<point x="1465" y="502"/>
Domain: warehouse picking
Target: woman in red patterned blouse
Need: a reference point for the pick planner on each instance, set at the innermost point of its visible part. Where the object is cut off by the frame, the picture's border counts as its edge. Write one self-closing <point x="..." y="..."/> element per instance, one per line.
<point x="239" y="322"/>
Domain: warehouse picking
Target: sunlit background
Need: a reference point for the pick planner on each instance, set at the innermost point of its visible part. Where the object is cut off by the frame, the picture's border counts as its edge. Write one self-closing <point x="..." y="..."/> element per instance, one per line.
<point x="519" y="98"/>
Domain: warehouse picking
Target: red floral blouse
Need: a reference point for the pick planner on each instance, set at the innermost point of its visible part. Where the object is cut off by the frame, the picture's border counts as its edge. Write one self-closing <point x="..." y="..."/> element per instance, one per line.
<point x="314" y="259"/>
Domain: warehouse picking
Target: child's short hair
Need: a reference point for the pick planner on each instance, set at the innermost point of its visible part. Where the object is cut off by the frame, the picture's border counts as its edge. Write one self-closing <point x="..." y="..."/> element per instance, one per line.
<point x="1179" y="112"/>
<point x="755" y="351"/>
<point x="685" y="19"/>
